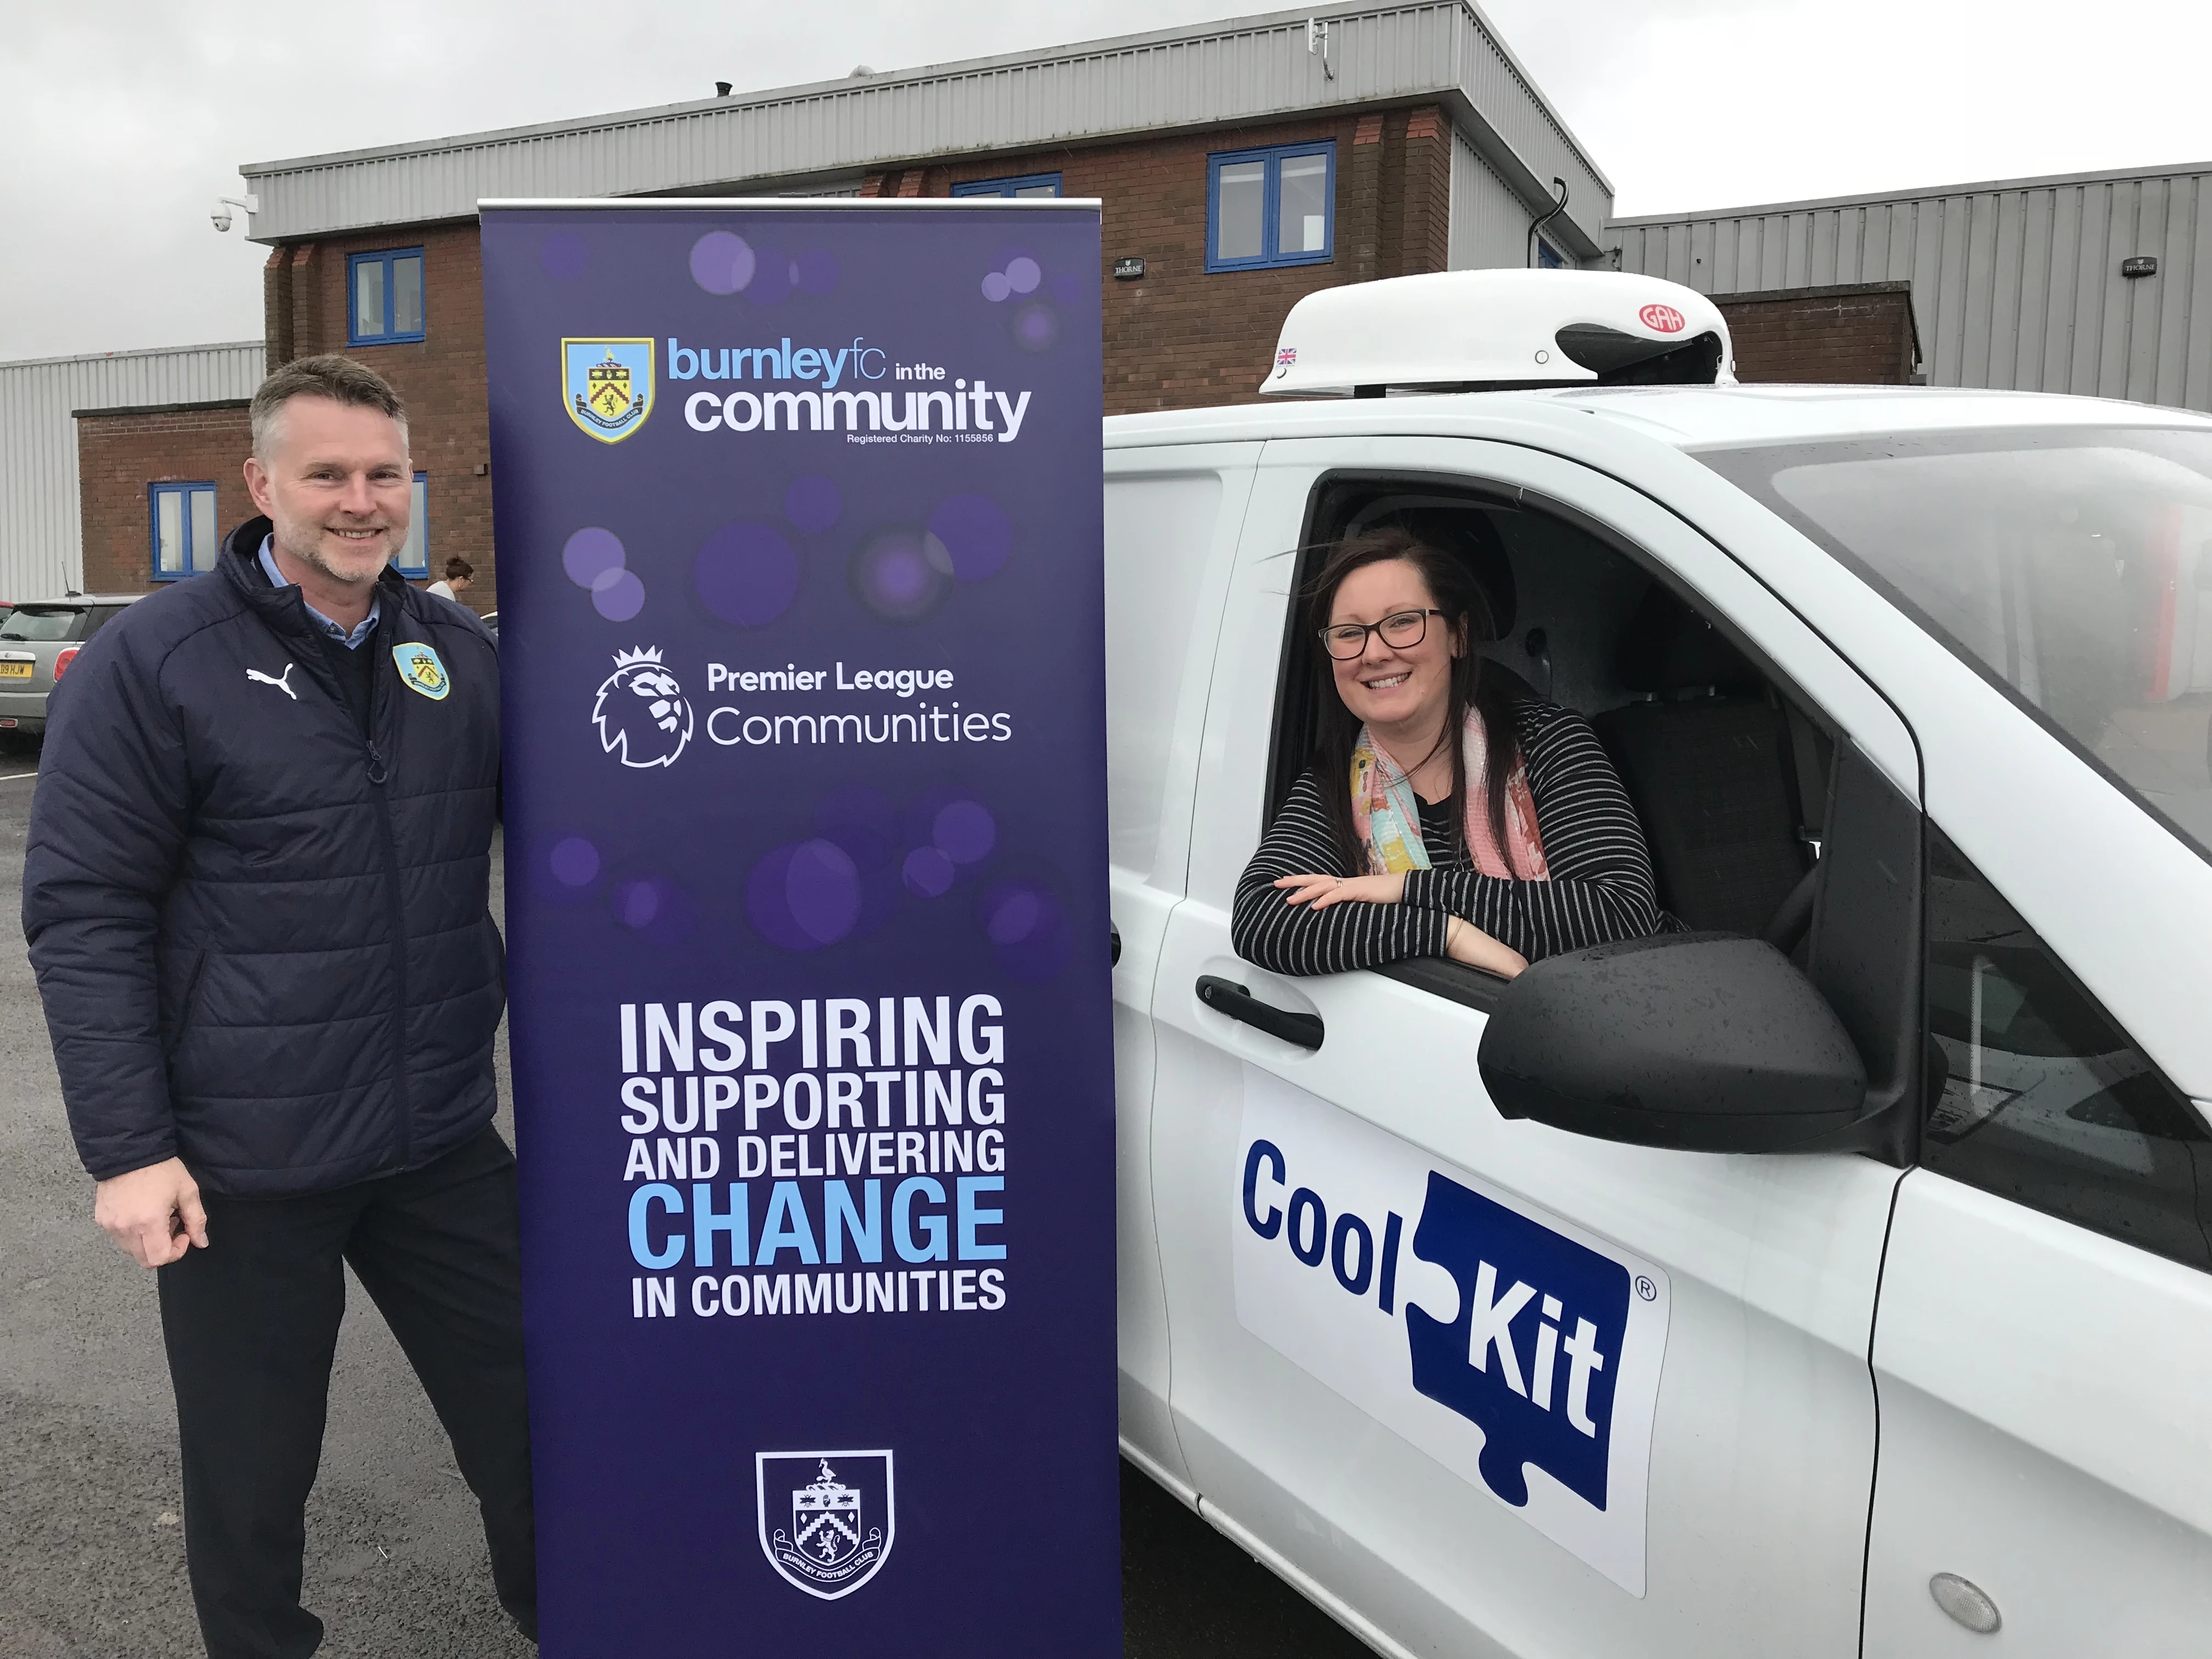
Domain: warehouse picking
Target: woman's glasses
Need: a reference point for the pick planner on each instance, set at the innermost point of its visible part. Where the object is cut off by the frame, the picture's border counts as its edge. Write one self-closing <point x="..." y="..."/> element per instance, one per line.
<point x="1402" y="630"/>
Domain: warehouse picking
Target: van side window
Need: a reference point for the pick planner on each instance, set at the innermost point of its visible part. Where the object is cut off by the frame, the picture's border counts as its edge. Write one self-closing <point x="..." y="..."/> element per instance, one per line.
<point x="2046" y="1101"/>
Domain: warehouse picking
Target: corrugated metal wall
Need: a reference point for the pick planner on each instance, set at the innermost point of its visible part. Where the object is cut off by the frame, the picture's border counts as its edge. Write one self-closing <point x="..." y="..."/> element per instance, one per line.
<point x="1245" y="70"/>
<point x="41" y="532"/>
<point x="2015" y="285"/>
<point x="1489" y="221"/>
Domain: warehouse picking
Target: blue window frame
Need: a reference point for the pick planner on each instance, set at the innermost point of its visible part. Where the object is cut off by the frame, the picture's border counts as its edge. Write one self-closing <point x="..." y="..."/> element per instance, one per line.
<point x="1029" y="184"/>
<point x="186" y="541"/>
<point x="384" y="297"/>
<point x="1271" y="207"/>
<point x="414" y="558"/>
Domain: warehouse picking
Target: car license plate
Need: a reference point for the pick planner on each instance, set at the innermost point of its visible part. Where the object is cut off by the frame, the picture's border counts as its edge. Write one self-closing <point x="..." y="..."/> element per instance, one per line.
<point x="14" y="671"/>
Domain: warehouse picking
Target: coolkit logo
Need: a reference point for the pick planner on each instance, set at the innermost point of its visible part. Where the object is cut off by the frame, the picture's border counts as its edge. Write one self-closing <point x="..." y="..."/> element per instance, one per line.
<point x="1515" y="1349"/>
<point x="827" y="1518"/>
<point x="641" y="711"/>
<point x="606" y="386"/>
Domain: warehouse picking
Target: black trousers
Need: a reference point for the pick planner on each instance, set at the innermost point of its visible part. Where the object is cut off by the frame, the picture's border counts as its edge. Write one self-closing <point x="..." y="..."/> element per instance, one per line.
<point x="250" y="1323"/>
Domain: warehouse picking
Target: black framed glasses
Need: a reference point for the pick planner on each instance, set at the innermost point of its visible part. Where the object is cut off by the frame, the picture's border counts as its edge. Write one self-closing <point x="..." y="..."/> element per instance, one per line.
<point x="1401" y="630"/>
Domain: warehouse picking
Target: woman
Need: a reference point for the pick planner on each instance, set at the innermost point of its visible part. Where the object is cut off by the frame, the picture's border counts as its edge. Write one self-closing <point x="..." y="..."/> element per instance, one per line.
<point x="458" y="574"/>
<point x="1440" y="816"/>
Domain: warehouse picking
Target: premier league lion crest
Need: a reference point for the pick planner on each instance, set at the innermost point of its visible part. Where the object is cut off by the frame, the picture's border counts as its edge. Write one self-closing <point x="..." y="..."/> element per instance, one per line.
<point x="641" y="711"/>
<point x="827" y="1518"/>
<point x="607" y="386"/>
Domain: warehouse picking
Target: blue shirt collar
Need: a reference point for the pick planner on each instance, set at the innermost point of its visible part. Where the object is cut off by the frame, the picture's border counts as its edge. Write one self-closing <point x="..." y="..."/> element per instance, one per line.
<point x="351" y="641"/>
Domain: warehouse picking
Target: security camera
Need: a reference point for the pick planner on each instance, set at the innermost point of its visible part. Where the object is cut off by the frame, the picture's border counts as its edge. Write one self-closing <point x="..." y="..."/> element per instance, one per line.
<point x="221" y="217"/>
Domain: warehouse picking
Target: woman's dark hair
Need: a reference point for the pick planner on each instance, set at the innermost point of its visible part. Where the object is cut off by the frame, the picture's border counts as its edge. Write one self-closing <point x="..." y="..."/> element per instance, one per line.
<point x="459" y="568"/>
<point x="1465" y="605"/>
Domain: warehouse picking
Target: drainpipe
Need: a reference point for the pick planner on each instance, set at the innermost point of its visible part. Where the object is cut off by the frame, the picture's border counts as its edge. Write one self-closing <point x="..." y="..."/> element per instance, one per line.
<point x="1541" y="220"/>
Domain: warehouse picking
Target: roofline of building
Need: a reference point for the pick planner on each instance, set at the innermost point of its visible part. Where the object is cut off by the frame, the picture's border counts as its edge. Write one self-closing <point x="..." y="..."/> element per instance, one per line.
<point x="1984" y="187"/>
<point x="162" y="409"/>
<point x="140" y="351"/>
<point x="960" y="69"/>
<point x="814" y="130"/>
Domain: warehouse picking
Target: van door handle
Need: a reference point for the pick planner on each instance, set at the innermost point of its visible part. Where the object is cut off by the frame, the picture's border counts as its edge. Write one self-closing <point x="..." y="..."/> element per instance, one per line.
<point x="1113" y="927"/>
<point x="1227" y="997"/>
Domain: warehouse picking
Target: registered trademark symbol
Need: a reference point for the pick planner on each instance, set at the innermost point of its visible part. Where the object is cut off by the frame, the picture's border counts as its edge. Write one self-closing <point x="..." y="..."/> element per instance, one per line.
<point x="1646" y="1288"/>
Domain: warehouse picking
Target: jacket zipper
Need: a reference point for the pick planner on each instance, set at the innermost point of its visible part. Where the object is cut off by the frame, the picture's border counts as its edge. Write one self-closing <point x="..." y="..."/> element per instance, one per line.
<point x="379" y="772"/>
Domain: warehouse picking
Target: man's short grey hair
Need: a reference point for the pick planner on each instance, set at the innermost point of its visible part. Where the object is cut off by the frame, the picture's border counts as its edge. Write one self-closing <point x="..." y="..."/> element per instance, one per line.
<point x="343" y="381"/>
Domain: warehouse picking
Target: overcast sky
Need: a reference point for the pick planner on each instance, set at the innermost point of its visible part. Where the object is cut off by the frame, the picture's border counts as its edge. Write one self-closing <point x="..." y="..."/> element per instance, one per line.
<point x="125" y="119"/>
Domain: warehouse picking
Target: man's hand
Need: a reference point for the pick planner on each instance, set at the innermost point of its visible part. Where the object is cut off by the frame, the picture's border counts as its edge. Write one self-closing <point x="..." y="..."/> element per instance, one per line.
<point x="154" y="1213"/>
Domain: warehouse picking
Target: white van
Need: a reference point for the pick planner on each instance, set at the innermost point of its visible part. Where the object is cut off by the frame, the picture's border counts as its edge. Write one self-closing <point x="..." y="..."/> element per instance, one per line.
<point x="1575" y="1316"/>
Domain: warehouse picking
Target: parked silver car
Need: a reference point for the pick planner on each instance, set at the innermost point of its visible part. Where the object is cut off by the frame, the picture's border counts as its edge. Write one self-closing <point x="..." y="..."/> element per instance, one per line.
<point x="37" y="642"/>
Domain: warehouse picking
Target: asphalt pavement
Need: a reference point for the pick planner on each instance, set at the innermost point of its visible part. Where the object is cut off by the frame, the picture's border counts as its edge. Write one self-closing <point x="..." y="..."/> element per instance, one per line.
<point x="92" y="1550"/>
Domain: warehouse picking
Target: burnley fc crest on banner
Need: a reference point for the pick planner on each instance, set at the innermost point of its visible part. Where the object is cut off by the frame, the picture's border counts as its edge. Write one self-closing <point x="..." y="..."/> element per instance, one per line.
<point x="607" y="386"/>
<point x="826" y="1518"/>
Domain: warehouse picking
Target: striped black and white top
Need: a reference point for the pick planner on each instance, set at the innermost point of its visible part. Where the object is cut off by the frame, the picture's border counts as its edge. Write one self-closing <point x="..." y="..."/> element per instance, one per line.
<point x="1600" y="887"/>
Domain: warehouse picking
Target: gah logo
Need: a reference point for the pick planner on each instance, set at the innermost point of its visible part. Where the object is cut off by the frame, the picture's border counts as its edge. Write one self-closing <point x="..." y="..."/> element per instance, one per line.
<point x="827" y="1518"/>
<point x="640" y="710"/>
<point x="1662" y="319"/>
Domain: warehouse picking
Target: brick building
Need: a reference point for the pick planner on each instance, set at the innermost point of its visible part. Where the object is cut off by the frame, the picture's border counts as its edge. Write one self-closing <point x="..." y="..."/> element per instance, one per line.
<point x="1245" y="163"/>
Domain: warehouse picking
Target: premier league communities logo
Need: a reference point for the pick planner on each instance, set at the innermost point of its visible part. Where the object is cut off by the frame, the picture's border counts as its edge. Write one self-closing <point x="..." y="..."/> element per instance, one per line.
<point x="827" y="1518"/>
<point x="606" y="386"/>
<point x="640" y="710"/>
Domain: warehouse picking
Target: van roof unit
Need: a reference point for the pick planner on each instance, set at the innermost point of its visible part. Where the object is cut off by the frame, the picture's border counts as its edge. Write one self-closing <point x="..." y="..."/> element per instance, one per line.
<point x="1481" y="330"/>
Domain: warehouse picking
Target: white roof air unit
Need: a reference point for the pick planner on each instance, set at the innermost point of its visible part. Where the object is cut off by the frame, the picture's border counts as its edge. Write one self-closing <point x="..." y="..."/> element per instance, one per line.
<point x="1481" y="330"/>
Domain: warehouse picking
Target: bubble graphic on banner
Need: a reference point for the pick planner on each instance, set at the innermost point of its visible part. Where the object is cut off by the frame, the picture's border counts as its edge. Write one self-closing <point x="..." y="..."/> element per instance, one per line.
<point x="1035" y="326"/>
<point x="812" y="503"/>
<point x="775" y="275"/>
<point x="637" y="902"/>
<point x="804" y="894"/>
<point x="861" y="820"/>
<point x="747" y="573"/>
<point x="963" y="830"/>
<point x="654" y="908"/>
<point x="815" y="272"/>
<point x="928" y="873"/>
<point x="1024" y="273"/>
<point x="574" y="862"/>
<point x="976" y="534"/>
<point x="1029" y="925"/>
<point x="618" y="595"/>
<point x="564" y="256"/>
<point x="722" y="262"/>
<point x="996" y="286"/>
<point x="590" y="554"/>
<point x="900" y="573"/>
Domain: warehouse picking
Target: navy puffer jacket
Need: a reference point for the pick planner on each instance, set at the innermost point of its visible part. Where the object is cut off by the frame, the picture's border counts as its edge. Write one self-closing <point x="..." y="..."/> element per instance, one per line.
<point x="263" y="943"/>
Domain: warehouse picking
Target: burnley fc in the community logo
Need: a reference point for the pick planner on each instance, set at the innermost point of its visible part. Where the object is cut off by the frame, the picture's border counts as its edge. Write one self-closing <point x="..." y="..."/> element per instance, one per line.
<point x="606" y="386"/>
<point x="827" y="1518"/>
<point x="640" y="710"/>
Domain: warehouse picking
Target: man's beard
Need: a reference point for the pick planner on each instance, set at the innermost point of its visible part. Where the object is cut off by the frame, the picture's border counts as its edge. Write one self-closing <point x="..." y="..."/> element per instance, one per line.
<point x="313" y="557"/>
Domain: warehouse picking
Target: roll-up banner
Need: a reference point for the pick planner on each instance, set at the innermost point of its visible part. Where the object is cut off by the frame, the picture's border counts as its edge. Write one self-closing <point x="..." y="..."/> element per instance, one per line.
<point x="798" y="511"/>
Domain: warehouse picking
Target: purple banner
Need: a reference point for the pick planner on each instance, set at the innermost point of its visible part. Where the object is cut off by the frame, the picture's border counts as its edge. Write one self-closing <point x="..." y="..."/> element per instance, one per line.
<point x="799" y="525"/>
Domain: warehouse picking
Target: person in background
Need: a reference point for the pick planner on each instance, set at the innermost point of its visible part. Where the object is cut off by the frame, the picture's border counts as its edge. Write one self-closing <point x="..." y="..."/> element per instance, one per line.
<point x="459" y="573"/>
<point x="1441" y="815"/>
<point x="256" y="890"/>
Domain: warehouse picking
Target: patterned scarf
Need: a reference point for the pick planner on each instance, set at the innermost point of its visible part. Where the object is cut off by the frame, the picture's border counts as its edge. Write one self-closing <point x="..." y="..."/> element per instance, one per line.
<point x="1387" y="814"/>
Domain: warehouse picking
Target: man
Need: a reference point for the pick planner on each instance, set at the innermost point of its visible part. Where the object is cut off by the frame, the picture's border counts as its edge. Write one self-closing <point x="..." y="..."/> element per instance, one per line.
<point x="458" y="575"/>
<point x="256" y="893"/>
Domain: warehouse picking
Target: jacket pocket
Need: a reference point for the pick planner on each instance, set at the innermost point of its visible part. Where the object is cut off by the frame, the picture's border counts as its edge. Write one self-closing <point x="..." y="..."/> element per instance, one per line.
<point x="186" y="1007"/>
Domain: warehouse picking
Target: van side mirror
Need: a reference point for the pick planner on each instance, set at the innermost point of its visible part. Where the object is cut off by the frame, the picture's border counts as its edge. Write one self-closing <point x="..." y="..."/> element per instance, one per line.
<point x="1703" y="1042"/>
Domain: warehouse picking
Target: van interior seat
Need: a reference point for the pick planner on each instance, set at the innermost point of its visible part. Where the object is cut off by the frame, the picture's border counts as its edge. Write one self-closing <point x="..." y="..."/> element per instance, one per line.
<point x="1705" y="757"/>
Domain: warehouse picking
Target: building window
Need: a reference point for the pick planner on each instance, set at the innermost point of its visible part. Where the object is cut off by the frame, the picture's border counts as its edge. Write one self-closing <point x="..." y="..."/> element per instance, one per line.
<point x="386" y="295"/>
<point x="1271" y="207"/>
<point x="186" y="540"/>
<point x="414" y="558"/>
<point x="1029" y="184"/>
<point x="1549" y="258"/>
